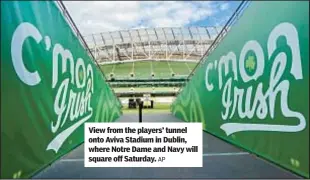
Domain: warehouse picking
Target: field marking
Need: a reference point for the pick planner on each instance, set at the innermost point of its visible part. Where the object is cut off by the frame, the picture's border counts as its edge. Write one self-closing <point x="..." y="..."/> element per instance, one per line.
<point x="113" y="68"/>
<point x="189" y="69"/>
<point x="204" y="155"/>
<point x="71" y="160"/>
<point x="133" y="68"/>
<point x="152" y="68"/>
<point x="226" y="154"/>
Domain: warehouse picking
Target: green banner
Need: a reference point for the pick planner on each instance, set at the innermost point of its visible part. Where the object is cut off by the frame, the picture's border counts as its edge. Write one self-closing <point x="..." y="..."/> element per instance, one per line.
<point x="253" y="89"/>
<point x="49" y="88"/>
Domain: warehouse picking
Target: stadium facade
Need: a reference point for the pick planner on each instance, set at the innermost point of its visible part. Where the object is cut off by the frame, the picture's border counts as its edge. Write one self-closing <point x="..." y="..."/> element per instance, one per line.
<point x="140" y="61"/>
<point x="170" y="43"/>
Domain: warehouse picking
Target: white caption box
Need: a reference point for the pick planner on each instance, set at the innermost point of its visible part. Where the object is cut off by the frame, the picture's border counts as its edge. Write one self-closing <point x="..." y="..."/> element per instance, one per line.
<point x="133" y="148"/>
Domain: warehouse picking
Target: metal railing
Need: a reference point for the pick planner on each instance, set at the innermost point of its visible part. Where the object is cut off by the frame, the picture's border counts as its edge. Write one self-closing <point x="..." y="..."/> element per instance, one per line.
<point x="235" y="16"/>
<point x="169" y="43"/>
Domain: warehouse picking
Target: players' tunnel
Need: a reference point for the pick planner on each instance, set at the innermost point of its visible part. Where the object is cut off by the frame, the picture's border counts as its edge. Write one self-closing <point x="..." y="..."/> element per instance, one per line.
<point x="250" y="90"/>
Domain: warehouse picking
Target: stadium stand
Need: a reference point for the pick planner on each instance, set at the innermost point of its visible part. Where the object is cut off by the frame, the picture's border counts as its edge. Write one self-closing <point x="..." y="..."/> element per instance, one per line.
<point x="151" y="52"/>
<point x="150" y="60"/>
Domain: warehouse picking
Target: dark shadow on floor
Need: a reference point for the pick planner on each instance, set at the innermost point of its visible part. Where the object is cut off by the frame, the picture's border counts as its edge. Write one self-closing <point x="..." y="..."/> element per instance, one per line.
<point x="234" y="163"/>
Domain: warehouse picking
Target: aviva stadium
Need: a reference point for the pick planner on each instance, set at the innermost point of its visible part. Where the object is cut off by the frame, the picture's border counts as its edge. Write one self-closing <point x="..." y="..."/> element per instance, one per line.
<point x="67" y="96"/>
<point x="154" y="61"/>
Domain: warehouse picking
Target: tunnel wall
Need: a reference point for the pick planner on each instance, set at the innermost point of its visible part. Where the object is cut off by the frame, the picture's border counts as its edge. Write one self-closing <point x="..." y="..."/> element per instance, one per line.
<point x="49" y="88"/>
<point x="253" y="89"/>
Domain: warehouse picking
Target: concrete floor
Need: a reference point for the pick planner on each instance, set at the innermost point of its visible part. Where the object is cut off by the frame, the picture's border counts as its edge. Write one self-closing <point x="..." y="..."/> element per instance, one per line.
<point x="220" y="160"/>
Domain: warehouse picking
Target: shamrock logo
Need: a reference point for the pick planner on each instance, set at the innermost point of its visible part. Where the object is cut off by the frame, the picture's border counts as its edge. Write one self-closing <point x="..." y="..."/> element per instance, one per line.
<point x="250" y="63"/>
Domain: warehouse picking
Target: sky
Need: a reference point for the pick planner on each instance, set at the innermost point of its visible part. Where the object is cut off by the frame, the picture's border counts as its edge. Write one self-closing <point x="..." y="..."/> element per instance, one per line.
<point x="93" y="17"/>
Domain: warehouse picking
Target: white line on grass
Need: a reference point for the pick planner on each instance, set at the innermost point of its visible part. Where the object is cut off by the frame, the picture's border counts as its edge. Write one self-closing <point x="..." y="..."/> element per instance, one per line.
<point x="204" y="155"/>
<point x="71" y="160"/>
<point x="226" y="154"/>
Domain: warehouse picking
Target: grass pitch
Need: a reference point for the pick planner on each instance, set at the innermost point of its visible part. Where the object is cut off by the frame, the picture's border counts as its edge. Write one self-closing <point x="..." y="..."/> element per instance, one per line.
<point x="144" y="69"/>
<point x="158" y="108"/>
<point x="146" y="89"/>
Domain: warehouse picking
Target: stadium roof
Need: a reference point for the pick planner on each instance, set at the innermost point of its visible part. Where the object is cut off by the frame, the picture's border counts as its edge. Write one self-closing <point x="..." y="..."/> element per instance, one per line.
<point x="169" y="43"/>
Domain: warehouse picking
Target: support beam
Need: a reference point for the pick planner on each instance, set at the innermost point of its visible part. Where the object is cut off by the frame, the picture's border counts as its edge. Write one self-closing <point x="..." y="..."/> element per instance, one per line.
<point x="168" y="44"/>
